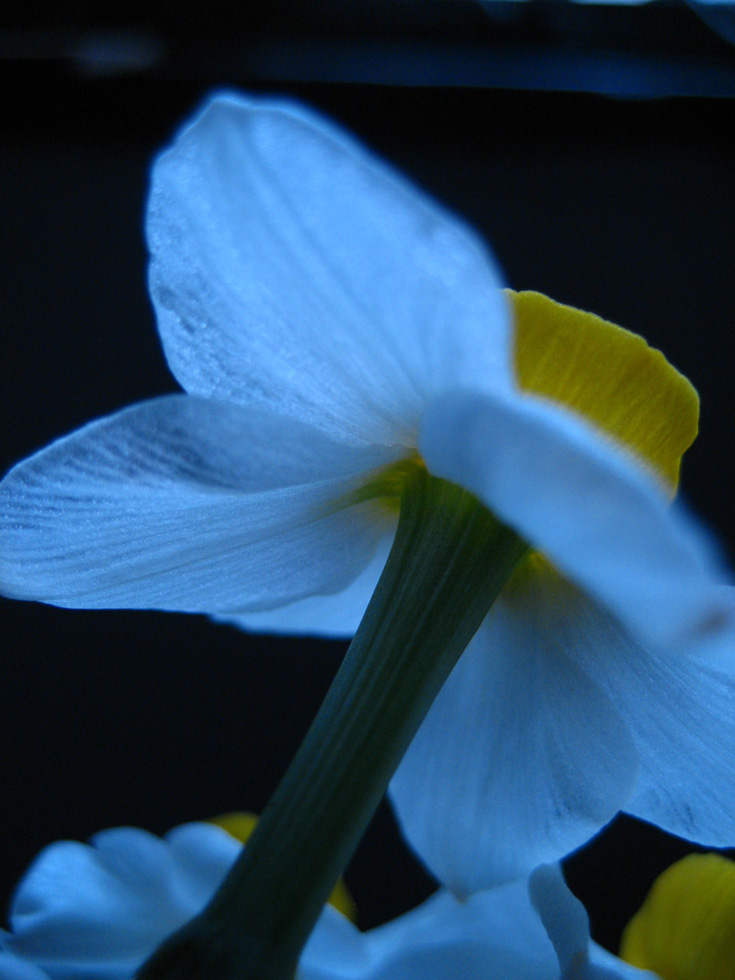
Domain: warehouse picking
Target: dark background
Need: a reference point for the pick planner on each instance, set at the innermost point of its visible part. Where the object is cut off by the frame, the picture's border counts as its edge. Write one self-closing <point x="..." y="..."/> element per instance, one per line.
<point x="590" y="146"/>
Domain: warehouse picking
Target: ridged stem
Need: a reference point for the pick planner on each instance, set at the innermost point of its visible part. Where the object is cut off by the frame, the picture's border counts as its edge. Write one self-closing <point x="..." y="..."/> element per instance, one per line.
<point x="450" y="559"/>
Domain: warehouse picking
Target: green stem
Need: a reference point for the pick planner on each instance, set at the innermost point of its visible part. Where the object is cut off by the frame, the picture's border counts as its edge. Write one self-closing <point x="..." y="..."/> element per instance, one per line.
<point x="449" y="561"/>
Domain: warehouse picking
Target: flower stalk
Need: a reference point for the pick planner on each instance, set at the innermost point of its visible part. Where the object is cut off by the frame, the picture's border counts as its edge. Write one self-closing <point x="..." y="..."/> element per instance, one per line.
<point x="450" y="559"/>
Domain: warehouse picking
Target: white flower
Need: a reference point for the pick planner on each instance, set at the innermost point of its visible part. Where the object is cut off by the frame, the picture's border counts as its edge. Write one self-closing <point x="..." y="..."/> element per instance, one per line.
<point x="96" y="912"/>
<point x="328" y="321"/>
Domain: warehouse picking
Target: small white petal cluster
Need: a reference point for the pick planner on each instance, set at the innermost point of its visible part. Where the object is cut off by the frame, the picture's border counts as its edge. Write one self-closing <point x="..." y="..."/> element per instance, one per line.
<point x="99" y="910"/>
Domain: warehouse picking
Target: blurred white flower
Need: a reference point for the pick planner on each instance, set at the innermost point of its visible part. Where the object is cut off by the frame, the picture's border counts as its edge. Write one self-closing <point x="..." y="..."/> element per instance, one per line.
<point x="98" y="911"/>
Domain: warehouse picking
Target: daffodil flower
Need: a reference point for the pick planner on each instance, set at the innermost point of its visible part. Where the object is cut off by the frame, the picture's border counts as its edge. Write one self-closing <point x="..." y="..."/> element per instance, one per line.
<point x="98" y="911"/>
<point x="334" y="330"/>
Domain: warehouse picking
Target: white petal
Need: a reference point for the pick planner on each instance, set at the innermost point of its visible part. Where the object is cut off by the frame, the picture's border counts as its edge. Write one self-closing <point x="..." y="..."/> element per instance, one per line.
<point x="336" y="949"/>
<point x="291" y="267"/>
<point x="590" y="508"/>
<point x="336" y="616"/>
<point x="495" y="934"/>
<point x="99" y="911"/>
<point x="603" y="965"/>
<point x="13" y="968"/>
<point x="202" y="858"/>
<point x="520" y="759"/>
<point x="566" y="922"/>
<point x="190" y="505"/>
<point x="564" y="917"/>
<point x="680" y="711"/>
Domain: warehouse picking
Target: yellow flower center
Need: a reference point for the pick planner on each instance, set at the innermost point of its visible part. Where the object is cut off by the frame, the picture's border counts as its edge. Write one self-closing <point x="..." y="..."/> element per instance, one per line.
<point x="609" y="375"/>
<point x="685" y="929"/>
<point x="240" y="825"/>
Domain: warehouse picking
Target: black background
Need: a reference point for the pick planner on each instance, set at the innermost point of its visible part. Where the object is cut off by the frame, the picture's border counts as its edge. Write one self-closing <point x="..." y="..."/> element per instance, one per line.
<point x="619" y="205"/>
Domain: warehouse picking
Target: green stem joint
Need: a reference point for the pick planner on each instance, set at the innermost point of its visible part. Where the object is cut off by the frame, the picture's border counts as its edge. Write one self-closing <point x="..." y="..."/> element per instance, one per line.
<point x="450" y="559"/>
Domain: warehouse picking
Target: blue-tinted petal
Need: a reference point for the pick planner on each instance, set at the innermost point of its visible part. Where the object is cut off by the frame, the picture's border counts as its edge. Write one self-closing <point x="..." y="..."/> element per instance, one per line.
<point x="590" y="508"/>
<point x="680" y="712"/>
<point x="291" y="268"/>
<point x="96" y="912"/>
<point x="522" y="757"/>
<point x="191" y="505"/>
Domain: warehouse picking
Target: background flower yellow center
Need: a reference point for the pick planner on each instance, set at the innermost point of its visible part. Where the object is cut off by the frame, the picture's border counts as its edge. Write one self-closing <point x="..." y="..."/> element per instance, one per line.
<point x="685" y="929"/>
<point x="241" y="824"/>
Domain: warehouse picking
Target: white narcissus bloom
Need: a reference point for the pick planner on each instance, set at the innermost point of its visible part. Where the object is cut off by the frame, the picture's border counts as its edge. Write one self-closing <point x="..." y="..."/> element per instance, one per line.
<point x="96" y="912"/>
<point x="328" y="321"/>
